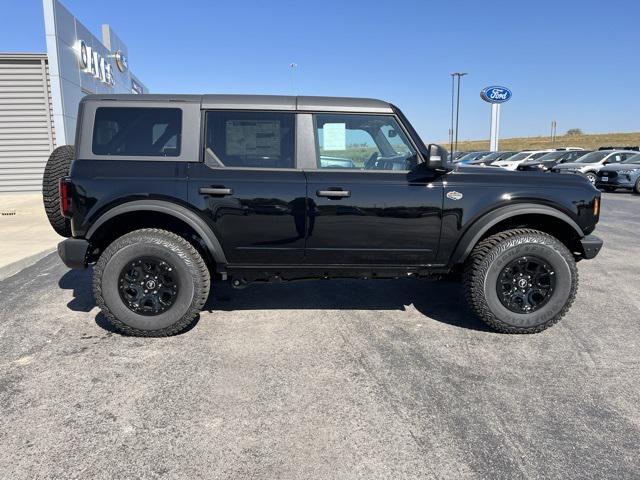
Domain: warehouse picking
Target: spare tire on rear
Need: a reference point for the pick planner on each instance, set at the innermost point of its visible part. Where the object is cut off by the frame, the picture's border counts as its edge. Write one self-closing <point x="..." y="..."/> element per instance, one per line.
<point x="58" y="166"/>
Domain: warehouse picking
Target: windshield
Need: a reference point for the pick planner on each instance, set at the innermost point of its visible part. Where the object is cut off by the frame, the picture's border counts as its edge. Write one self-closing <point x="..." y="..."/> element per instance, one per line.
<point x="552" y="156"/>
<point x="634" y="159"/>
<point x="592" y="157"/>
<point x="472" y="156"/>
<point x="492" y="156"/>
<point x="517" y="157"/>
<point x="505" y="155"/>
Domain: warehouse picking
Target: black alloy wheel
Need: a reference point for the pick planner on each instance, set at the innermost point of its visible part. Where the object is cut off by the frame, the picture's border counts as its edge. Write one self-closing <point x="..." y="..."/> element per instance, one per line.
<point x="521" y="280"/>
<point x="151" y="283"/>
<point x="148" y="286"/>
<point x="526" y="284"/>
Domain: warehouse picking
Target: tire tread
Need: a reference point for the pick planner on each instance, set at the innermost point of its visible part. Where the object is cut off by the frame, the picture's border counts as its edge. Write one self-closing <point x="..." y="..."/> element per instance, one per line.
<point x="476" y="269"/>
<point x="188" y="253"/>
<point x="58" y="166"/>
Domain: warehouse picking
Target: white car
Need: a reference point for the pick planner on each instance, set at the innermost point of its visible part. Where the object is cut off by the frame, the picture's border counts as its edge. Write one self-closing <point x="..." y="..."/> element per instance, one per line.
<point x="513" y="161"/>
<point x="589" y="164"/>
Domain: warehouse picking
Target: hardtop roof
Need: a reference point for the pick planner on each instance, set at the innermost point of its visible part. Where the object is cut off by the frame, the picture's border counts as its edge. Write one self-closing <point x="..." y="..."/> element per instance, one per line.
<point x="258" y="102"/>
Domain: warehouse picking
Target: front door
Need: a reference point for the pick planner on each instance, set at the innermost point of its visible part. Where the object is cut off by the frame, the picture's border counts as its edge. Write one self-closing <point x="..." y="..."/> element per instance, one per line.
<point x="365" y="206"/>
<point x="249" y="189"/>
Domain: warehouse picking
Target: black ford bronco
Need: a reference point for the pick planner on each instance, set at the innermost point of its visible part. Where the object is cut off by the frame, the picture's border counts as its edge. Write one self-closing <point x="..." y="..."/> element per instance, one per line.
<point x="166" y="194"/>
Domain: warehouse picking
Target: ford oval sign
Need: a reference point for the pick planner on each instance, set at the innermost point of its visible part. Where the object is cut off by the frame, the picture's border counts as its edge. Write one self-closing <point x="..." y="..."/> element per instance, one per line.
<point x="495" y="94"/>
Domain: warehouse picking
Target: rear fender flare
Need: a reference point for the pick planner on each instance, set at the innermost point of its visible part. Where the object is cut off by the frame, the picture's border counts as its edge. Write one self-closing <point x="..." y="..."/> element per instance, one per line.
<point x="177" y="211"/>
<point x="475" y="232"/>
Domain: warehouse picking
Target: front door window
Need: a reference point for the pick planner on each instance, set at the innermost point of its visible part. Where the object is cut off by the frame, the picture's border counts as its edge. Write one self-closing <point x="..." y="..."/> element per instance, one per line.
<point x="362" y="142"/>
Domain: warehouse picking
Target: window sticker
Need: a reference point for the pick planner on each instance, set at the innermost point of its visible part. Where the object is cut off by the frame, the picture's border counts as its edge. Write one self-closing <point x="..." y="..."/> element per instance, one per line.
<point x="334" y="136"/>
<point x="253" y="138"/>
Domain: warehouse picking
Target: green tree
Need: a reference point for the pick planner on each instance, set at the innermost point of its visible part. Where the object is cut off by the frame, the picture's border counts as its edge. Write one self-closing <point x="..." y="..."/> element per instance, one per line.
<point x="574" y="131"/>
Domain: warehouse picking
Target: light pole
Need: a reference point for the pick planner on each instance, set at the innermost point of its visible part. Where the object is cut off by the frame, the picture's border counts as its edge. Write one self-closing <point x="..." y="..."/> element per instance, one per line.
<point x="453" y="82"/>
<point x="292" y="67"/>
<point x="459" y="75"/>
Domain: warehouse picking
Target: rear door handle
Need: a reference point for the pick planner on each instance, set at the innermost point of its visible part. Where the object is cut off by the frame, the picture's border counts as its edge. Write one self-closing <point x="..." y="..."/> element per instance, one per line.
<point x="220" y="191"/>
<point x="333" y="193"/>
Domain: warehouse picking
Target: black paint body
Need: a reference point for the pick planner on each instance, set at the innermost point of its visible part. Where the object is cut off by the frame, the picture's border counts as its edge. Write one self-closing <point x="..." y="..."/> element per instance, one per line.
<point x="270" y="223"/>
<point x="391" y="224"/>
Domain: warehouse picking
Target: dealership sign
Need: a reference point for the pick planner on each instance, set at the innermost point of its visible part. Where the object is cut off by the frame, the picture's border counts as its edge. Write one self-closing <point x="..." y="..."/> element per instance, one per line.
<point x="495" y="94"/>
<point x="93" y="63"/>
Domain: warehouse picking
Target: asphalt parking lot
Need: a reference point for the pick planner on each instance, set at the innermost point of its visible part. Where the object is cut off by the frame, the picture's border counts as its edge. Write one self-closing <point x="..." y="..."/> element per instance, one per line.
<point x="316" y="380"/>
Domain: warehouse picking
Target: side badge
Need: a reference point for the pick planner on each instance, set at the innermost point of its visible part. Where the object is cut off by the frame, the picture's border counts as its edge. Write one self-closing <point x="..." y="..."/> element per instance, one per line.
<point x="453" y="195"/>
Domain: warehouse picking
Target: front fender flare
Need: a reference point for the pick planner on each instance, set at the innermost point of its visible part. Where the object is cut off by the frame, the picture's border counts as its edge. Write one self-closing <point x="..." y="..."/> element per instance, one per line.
<point x="173" y="209"/>
<point x="475" y="232"/>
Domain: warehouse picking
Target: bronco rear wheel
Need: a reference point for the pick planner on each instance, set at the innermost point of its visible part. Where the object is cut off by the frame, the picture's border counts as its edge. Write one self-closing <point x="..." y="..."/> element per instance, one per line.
<point x="520" y="281"/>
<point x="58" y="166"/>
<point x="150" y="283"/>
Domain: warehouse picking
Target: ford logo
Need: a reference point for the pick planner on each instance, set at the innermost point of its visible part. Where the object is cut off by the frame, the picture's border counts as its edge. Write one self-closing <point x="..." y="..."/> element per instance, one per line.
<point x="495" y="94"/>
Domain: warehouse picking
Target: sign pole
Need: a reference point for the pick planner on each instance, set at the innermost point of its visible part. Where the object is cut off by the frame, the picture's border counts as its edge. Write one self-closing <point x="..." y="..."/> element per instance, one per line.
<point x="495" y="96"/>
<point x="495" y="127"/>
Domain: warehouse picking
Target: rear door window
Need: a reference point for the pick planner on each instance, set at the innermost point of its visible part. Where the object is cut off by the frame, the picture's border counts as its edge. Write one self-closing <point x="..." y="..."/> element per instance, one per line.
<point x="132" y="131"/>
<point x="250" y="139"/>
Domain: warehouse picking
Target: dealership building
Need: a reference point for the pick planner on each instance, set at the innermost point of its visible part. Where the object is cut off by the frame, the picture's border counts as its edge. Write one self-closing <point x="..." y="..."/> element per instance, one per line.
<point x="40" y="93"/>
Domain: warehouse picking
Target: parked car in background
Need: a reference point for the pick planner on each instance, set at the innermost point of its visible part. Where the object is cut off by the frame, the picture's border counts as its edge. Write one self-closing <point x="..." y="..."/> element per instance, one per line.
<point x="513" y="161"/>
<point x="469" y="157"/>
<point x="456" y="155"/>
<point x="635" y="148"/>
<point x="589" y="164"/>
<point x="550" y="160"/>
<point x="492" y="157"/>
<point x="625" y="174"/>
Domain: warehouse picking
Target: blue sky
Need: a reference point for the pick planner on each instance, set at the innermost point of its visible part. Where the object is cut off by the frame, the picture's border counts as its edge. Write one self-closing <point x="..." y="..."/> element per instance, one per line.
<point x="573" y="61"/>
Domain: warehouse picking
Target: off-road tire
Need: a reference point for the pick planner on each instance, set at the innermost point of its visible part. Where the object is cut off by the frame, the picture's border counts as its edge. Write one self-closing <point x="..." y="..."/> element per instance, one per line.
<point x="58" y="166"/>
<point x="191" y="271"/>
<point x="493" y="253"/>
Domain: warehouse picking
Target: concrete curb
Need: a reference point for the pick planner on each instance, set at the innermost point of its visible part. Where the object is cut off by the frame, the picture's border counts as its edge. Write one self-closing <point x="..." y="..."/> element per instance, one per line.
<point x="16" y="267"/>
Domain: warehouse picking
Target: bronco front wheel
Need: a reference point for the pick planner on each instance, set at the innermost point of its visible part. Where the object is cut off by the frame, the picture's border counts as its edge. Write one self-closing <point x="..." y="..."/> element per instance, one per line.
<point x="150" y="283"/>
<point x="520" y="281"/>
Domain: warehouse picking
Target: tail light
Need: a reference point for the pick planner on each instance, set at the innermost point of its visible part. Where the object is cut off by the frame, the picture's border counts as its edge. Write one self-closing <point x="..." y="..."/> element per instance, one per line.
<point x="65" y="199"/>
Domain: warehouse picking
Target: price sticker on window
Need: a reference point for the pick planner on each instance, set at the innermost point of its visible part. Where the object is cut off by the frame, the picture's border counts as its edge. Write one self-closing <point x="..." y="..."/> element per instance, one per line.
<point x="334" y="136"/>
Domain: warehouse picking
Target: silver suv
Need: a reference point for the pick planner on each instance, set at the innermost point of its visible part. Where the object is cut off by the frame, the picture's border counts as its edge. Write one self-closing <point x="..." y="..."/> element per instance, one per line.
<point x="589" y="164"/>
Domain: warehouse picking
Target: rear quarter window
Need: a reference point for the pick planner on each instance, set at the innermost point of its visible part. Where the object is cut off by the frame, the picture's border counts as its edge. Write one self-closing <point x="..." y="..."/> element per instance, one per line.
<point x="141" y="132"/>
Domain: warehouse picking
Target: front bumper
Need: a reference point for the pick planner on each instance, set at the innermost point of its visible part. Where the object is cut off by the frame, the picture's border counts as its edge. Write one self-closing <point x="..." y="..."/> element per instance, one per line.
<point x="591" y="246"/>
<point x="621" y="181"/>
<point x="73" y="252"/>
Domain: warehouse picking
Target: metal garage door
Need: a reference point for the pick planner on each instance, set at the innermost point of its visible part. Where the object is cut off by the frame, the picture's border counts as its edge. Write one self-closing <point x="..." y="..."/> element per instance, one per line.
<point x="26" y="126"/>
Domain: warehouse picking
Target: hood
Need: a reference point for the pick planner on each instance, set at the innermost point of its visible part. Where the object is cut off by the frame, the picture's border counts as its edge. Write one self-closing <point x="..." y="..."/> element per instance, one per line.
<point x="500" y="177"/>
<point x="567" y="166"/>
<point x="620" y="166"/>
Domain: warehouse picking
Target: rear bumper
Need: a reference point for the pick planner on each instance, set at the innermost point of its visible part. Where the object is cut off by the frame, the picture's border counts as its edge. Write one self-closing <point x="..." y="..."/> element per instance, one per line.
<point x="591" y="246"/>
<point x="73" y="252"/>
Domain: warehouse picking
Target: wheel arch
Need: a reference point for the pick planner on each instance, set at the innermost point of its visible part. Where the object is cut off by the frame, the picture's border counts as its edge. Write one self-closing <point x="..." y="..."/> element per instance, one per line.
<point x="138" y="214"/>
<point x="539" y="217"/>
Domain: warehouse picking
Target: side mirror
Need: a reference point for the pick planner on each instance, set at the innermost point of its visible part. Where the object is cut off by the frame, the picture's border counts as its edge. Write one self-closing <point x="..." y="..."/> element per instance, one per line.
<point x="439" y="157"/>
<point x="392" y="133"/>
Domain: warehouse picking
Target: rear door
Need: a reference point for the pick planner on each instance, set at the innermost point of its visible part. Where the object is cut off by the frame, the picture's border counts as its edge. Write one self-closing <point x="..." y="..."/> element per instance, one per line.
<point x="365" y="205"/>
<point x="248" y="186"/>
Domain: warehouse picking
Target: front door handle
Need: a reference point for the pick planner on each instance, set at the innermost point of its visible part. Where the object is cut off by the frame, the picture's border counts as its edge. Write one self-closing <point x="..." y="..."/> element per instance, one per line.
<point x="333" y="193"/>
<point x="219" y="191"/>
